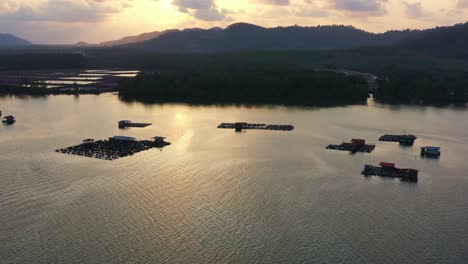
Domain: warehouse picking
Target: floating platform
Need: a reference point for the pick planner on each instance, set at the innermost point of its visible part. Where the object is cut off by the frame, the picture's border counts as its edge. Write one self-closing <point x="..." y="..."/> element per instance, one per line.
<point x="389" y="170"/>
<point x="113" y="148"/>
<point x="356" y="145"/>
<point x="9" y="120"/>
<point x="239" y="126"/>
<point x="430" y="152"/>
<point x="128" y="123"/>
<point x="407" y="140"/>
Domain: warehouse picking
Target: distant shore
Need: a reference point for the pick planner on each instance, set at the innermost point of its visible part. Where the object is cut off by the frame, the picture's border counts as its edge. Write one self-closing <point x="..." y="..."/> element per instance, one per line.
<point x="225" y="83"/>
<point x="20" y="90"/>
<point x="63" y="81"/>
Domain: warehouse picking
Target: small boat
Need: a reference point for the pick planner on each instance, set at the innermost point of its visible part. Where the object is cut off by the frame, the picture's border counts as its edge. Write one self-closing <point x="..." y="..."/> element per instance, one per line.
<point x="430" y="152"/>
<point x="9" y="120"/>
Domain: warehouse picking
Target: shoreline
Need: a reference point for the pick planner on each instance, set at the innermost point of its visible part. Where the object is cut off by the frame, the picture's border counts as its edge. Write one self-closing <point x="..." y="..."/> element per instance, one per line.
<point x="369" y="101"/>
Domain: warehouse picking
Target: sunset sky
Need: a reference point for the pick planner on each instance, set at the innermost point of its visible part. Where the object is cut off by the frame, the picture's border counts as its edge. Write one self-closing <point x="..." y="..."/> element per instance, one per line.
<point x="70" y="21"/>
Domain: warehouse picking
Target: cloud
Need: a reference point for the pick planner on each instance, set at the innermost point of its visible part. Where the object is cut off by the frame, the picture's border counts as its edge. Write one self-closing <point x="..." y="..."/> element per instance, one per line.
<point x="194" y="4"/>
<point x="462" y="3"/>
<point x="311" y="12"/>
<point x="208" y="14"/>
<point x="305" y="9"/>
<point x="274" y="2"/>
<point x="205" y="10"/>
<point x="297" y="10"/>
<point x="68" y="11"/>
<point x="368" y="7"/>
<point x="415" y="10"/>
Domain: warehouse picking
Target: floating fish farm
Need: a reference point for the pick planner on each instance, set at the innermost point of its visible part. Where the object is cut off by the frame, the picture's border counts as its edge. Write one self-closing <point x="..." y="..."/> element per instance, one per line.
<point x="113" y="148"/>
<point x="356" y="145"/>
<point x="239" y="126"/>
<point x="407" y="140"/>
<point x="389" y="170"/>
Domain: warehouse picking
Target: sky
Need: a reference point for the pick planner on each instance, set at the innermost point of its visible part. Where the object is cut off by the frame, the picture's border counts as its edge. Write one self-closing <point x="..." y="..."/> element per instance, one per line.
<point x="94" y="21"/>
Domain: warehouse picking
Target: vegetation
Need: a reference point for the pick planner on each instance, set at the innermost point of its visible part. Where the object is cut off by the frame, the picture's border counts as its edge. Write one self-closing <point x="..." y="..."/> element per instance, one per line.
<point x="28" y="60"/>
<point x="40" y="88"/>
<point x="423" y="87"/>
<point x="278" y="85"/>
<point x="33" y="88"/>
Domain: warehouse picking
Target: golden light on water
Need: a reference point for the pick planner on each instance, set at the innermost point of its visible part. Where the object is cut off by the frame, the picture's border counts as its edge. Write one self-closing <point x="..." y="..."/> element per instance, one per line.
<point x="181" y="118"/>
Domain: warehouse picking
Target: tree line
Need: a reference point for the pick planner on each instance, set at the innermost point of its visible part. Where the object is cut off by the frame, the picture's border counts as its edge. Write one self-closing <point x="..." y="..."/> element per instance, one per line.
<point x="423" y="87"/>
<point x="249" y="84"/>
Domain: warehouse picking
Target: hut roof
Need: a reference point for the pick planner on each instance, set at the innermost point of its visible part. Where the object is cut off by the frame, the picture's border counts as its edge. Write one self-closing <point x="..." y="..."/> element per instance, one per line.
<point x="124" y="138"/>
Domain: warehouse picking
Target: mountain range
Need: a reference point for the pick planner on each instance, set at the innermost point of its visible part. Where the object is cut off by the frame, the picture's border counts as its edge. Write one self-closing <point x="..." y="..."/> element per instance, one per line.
<point x="11" y="41"/>
<point x="242" y="36"/>
<point x="134" y="39"/>
<point x="249" y="37"/>
<point x="145" y="36"/>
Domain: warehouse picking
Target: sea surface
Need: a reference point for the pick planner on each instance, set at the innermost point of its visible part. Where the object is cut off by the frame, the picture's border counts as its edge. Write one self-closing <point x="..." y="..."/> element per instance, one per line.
<point x="216" y="196"/>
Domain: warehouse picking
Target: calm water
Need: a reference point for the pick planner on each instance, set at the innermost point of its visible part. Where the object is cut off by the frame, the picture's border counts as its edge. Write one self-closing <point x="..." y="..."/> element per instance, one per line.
<point x="215" y="196"/>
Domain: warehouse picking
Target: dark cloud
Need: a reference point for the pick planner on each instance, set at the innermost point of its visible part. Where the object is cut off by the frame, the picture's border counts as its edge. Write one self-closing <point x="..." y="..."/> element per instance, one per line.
<point x="370" y="7"/>
<point x="61" y="10"/>
<point x="274" y="2"/>
<point x="415" y="10"/>
<point x="194" y="4"/>
<point x="200" y="9"/>
<point x="310" y="7"/>
<point x="209" y="14"/>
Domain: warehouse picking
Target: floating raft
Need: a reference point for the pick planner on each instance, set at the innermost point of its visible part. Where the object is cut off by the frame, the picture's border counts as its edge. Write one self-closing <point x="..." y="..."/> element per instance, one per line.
<point x="239" y="126"/>
<point x="430" y="152"/>
<point x="9" y="120"/>
<point x="407" y="140"/>
<point x="356" y="145"/>
<point x="114" y="148"/>
<point x="389" y="170"/>
<point x="128" y="123"/>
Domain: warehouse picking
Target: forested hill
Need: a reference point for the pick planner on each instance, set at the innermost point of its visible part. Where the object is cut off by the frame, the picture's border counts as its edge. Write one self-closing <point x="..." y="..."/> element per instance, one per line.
<point x="242" y="37"/>
<point x="446" y="41"/>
